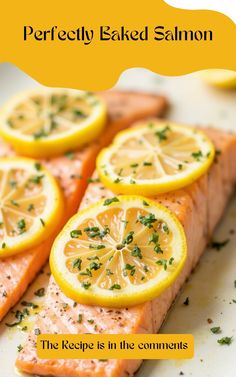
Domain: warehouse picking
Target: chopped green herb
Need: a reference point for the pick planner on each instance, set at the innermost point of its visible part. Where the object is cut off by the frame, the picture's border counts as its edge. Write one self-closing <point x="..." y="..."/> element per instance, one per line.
<point x="40" y="134"/>
<point x="162" y="134"/>
<point x="37" y="101"/>
<point x="216" y="330"/>
<point x="109" y="272"/>
<point x="93" y="180"/>
<point x="135" y="165"/>
<point x="197" y="155"/>
<point x="108" y="201"/>
<point x="42" y="221"/>
<point x="115" y="286"/>
<point x="147" y="163"/>
<point x="86" y="285"/>
<point x="10" y="123"/>
<point x="120" y="172"/>
<point x="158" y="249"/>
<point x="21" y="225"/>
<point x="225" y="340"/>
<point x="53" y="123"/>
<point x="78" y="113"/>
<point x="75" y="233"/>
<point x="59" y="100"/>
<point x="145" y="203"/>
<point x="87" y="272"/>
<point x="186" y="301"/>
<point x="162" y="262"/>
<point x="90" y="321"/>
<point x="147" y="220"/>
<point x="36" y="179"/>
<point x="4" y="245"/>
<point x="13" y="184"/>
<point x="19" y="348"/>
<point x="80" y="318"/>
<point x="165" y="228"/>
<point x="128" y="239"/>
<point x="136" y="252"/>
<point x="95" y="266"/>
<point x="117" y="180"/>
<point x="153" y="238"/>
<point x="95" y="257"/>
<point x="219" y="245"/>
<point x="94" y="232"/>
<point x="14" y="203"/>
<point x="217" y="154"/>
<point x="40" y="292"/>
<point x="77" y="263"/>
<point x="19" y="316"/>
<point x="145" y="268"/>
<point x="37" y="166"/>
<point x="30" y="207"/>
<point x="29" y="304"/>
<point x="130" y="268"/>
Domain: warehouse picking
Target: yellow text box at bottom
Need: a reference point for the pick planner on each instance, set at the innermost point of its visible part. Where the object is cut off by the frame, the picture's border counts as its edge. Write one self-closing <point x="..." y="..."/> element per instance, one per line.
<point x="115" y="346"/>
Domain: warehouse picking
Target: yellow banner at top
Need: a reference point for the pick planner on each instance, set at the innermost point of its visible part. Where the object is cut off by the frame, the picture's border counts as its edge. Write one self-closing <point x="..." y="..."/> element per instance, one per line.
<point x="87" y="45"/>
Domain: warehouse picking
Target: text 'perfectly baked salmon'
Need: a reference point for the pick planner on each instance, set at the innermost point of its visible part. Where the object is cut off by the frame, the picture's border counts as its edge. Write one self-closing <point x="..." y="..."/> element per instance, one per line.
<point x="199" y="214"/>
<point x="72" y="173"/>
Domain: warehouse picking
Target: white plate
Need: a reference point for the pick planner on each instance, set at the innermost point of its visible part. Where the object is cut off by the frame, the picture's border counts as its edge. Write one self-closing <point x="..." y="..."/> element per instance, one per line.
<point x="211" y="287"/>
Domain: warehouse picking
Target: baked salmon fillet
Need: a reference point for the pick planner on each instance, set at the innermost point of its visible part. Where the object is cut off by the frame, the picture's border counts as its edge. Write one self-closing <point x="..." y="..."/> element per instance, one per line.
<point x="199" y="208"/>
<point x="72" y="174"/>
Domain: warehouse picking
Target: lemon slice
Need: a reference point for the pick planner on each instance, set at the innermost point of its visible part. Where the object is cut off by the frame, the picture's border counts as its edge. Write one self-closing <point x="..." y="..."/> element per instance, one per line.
<point x="221" y="78"/>
<point x="155" y="157"/>
<point x="119" y="252"/>
<point x="49" y="121"/>
<point x="30" y="205"/>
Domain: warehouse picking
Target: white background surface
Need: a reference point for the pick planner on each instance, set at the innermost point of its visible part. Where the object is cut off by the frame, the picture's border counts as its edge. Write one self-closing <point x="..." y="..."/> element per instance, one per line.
<point x="211" y="287"/>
